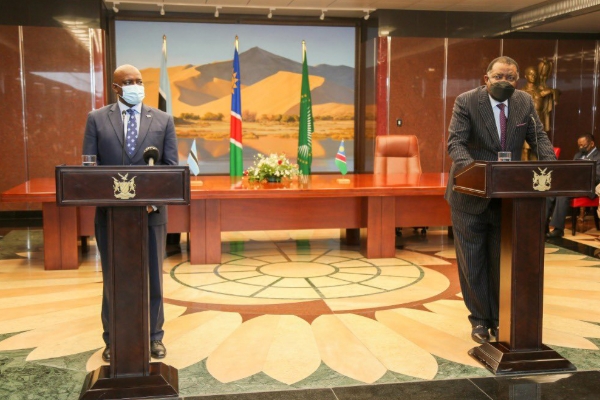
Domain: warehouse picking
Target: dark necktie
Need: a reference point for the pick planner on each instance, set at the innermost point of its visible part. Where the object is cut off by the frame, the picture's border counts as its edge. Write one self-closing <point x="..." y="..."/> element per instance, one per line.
<point x="501" y="106"/>
<point x="132" y="132"/>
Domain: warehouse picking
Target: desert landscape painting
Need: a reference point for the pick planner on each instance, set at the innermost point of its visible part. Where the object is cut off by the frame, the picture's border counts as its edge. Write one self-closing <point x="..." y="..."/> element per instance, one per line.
<point x="201" y="103"/>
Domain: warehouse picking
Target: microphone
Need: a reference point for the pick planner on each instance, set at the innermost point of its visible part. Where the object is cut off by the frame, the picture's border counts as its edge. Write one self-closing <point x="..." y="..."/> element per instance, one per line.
<point x="123" y="144"/>
<point x="537" y="149"/>
<point x="150" y="155"/>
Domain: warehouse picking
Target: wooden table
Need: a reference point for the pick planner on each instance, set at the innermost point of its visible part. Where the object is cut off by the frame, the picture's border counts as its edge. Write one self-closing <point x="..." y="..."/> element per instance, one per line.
<point x="373" y="204"/>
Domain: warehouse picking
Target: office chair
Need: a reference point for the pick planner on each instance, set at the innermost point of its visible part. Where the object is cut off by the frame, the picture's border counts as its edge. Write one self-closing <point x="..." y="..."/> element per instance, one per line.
<point x="397" y="154"/>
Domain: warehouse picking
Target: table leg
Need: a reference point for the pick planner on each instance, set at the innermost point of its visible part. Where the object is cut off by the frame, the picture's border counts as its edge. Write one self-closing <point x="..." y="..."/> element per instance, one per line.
<point x="60" y="237"/>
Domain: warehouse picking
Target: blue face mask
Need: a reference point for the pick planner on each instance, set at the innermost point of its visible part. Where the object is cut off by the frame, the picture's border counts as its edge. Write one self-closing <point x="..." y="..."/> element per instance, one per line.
<point x="133" y="94"/>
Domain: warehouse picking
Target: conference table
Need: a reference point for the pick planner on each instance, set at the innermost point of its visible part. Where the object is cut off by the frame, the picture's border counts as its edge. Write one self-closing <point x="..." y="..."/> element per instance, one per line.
<point x="366" y="207"/>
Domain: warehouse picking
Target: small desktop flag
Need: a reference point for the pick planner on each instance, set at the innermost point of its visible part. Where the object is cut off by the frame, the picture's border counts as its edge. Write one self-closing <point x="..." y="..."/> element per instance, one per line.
<point x="164" y="88"/>
<point x="236" y="162"/>
<point x="306" y="120"/>
<point x="340" y="159"/>
<point x="193" y="160"/>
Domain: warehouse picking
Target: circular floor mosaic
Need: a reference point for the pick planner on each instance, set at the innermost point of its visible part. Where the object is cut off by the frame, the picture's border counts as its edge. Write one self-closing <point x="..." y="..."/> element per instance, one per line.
<point x="301" y="280"/>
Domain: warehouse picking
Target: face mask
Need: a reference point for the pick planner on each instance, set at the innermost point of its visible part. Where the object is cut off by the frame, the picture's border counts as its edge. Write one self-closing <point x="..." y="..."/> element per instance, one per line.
<point x="584" y="150"/>
<point x="133" y="94"/>
<point x="502" y="90"/>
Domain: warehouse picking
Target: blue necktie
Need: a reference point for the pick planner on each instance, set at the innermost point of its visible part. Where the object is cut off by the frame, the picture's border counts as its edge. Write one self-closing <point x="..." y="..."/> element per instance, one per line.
<point x="132" y="132"/>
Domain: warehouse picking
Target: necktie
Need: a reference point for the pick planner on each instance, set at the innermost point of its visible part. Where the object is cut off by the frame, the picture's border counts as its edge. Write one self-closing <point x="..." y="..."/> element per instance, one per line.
<point x="132" y="132"/>
<point x="501" y="106"/>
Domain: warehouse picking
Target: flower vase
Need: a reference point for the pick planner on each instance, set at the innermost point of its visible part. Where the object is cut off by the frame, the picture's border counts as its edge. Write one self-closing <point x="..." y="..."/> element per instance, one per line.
<point x="273" y="179"/>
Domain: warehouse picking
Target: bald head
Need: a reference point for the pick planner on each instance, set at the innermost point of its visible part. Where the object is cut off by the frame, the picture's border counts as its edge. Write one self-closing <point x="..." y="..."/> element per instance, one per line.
<point x="126" y="75"/>
<point x="124" y="71"/>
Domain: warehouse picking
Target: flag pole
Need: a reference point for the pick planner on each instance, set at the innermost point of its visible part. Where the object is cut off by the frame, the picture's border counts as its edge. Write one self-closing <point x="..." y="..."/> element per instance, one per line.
<point x="236" y="159"/>
<point x="306" y="122"/>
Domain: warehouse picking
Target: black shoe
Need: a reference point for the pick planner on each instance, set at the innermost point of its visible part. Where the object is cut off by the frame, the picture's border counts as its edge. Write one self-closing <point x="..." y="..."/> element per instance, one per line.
<point x="480" y="334"/>
<point x="106" y="354"/>
<point x="494" y="332"/>
<point x="556" y="233"/>
<point x="158" y="349"/>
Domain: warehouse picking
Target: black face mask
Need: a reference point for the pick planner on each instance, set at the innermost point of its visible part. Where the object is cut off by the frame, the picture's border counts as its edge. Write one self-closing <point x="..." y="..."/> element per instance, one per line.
<point x="501" y="91"/>
<point x="584" y="150"/>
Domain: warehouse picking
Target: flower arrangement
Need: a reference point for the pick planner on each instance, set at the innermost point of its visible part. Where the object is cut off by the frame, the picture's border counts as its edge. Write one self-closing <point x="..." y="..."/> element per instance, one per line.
<point x="273" y="168"/>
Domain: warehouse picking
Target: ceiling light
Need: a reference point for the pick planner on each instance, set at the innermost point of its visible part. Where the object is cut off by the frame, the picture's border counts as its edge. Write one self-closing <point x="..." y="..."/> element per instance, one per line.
<point x="217" y="12"/>
<point x="115" y="8"/>
<point x="270" y="14"/>
<point x="367" y="14"/>
<point x="162" y="9"/>
<point x="322" y="17"/>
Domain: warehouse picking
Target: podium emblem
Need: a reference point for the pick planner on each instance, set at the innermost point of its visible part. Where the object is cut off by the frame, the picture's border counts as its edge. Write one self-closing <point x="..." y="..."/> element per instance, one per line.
<point x="543" y="180"/>
<point x="124" y="189"/>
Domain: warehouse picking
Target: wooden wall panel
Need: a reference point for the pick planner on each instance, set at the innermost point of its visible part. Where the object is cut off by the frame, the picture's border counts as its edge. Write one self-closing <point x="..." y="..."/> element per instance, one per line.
<point x="12" y="162"/>
<point x="416" y="95"/>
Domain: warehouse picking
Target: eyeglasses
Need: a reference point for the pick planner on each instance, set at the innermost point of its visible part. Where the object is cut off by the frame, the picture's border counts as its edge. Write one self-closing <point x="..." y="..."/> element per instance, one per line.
<point x="500" y="77"/>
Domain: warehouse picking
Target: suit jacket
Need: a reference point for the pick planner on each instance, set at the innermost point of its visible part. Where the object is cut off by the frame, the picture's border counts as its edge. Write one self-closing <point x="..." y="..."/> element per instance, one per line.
<point x="104" y="137"/>
<point x="473" y="136"/>
<point x="595" y="156"/>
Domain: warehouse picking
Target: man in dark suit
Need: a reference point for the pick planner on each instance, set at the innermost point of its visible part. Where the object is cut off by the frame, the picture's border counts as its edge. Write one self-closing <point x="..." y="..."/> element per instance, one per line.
<point x="587" y="151"/>
<point x="486" y="120"/>
<point x="118" y="134"/>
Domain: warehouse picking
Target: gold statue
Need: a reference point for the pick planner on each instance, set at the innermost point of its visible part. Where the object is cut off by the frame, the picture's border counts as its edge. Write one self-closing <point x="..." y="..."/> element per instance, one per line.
<point x="544" y="98"/>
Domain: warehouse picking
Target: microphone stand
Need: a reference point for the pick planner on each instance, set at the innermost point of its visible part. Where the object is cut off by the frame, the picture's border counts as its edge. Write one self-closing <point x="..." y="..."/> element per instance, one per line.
<point x="537" y="149"/>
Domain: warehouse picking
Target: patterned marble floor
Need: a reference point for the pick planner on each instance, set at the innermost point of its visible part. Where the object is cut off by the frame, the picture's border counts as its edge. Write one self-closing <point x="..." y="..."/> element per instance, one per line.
<point x="283" y="310"/>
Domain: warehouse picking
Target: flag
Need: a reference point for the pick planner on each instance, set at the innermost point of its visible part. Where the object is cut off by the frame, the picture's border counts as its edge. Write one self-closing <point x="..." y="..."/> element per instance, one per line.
<point x="340" y="159"/>
<point x="164" y="88"/>
<point x="236" y="164"/>
<point x="306" y="120"/>
<point x="193" y="159"/>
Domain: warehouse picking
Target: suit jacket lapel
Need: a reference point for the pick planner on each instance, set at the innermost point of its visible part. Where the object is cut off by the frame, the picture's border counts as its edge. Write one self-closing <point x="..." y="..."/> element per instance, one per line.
<point x="145" y="122"/>
<point x="513" y="117"/>
<point x="114" y="115"/>
<point x="485" y="108"/>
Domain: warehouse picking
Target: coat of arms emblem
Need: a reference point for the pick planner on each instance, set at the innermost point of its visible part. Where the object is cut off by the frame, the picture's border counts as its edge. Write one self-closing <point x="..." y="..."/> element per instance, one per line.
<point x="542" y="181"/>
<point x="124" y="189"/>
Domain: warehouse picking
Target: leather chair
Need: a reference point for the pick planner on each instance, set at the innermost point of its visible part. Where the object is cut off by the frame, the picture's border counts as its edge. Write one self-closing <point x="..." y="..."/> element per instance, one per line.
<point x="397" y="154"/>
<point x="578" y="207"/>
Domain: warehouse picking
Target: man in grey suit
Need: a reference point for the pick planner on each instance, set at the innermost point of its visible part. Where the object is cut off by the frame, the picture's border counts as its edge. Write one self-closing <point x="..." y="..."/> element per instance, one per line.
<point x="587" y="151"/>
<point x="486" y="120"/>
<point x="118" y="134"/>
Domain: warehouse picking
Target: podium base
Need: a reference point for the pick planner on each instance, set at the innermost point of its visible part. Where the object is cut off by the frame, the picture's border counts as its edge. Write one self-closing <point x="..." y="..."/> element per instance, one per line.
<point x="161" y="382"/>
<point x="500" y="360"/>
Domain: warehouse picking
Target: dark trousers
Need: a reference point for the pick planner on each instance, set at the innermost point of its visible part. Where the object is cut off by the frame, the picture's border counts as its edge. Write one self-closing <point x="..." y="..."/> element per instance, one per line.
<point x="477" y="243"/>
<point x="156" y="248"/>
<point x="561" y="209"/>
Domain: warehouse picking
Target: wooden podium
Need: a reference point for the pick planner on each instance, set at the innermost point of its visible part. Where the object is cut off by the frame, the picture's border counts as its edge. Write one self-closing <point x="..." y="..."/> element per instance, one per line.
<point x="523" y="187"/>
<point x="127" y="190"/>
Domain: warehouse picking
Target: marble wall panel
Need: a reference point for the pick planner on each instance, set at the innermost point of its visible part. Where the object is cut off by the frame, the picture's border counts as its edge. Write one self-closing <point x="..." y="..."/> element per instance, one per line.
<point x="416" y="95"/>
<point x="12" y="162"/>
<point x="467" y="63"/>
<point x="58" y="96"/>
<point x="575" y="109"/>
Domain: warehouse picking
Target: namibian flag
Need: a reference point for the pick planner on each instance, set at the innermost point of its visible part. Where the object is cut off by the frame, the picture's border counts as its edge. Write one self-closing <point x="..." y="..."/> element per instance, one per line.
<point x="340" y="159"/>
<point x="236" y="164"/>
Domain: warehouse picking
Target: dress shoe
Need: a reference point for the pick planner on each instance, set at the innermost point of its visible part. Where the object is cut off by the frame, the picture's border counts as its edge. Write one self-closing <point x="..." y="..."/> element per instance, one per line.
<point x="556" y="233"/>
<point x="158" y="349"/>
<point x="480" y="334"/>
<point x="106" y="354"/>
<point x="494" y="332"/>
